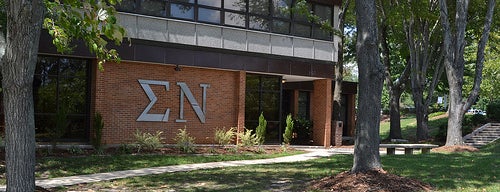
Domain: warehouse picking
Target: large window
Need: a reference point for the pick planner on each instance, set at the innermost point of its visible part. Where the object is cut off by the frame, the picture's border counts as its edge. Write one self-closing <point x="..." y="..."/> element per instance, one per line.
<point x="263" y="95"/>
<point x="61" y="89"/>
<point x="262" y="15"/>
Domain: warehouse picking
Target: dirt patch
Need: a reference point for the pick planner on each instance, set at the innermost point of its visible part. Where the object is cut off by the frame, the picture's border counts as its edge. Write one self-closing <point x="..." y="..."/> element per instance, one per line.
<point x="455" y="149"/>
<point x="369" y="181"/>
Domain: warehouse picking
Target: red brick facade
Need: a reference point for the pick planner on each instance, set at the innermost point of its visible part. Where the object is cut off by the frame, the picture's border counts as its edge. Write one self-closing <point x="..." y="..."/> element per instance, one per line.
<point x="120" y="99"/>
<point x="322" y="112"/>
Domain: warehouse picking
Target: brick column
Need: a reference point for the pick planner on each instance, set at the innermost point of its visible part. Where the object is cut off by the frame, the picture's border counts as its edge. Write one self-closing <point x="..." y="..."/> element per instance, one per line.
<point x="241" y="102"/>
<point x="322" y="112"/>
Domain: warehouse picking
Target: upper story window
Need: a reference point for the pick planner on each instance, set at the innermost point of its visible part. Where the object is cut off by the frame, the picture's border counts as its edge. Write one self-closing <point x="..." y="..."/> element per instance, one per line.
<point x="260" y="15"/>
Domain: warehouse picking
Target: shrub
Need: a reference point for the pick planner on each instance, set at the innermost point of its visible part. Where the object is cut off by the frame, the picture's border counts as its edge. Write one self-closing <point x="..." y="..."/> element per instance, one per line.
<point x="478" y="119"/>
<point x="287" y="136"/>
<point x="184" y="142"/>
<point x="75" y="150"/>
<point x="441" y="134"/>
<point x="148" y="141"/>
<point x="493" y="110"/>
<point x="97" y="134"/>
<point x="224" y="137"/>
<point x="125" y="148"/>
<point x="260" y="131"/>
<point x="303" y="129"/>
<point x="247" y="139"/>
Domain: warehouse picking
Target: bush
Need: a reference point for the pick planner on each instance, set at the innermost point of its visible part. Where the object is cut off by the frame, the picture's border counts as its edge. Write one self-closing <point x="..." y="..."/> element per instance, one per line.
<point x="247" y="139"/>
<point x="287" y="136"/>
<point x="260" y="131"/>
<point x="148" y="141"/>
<point x="493" y="110"/>
<point x="224" y="137"/>
<point x="184" y="142"/>
<point x="442" y="132"/>
<point x="75" y="150"/>
<point x="303" y="130"/>
<point x="97" y="134"/>
<point x="478" y="119"/>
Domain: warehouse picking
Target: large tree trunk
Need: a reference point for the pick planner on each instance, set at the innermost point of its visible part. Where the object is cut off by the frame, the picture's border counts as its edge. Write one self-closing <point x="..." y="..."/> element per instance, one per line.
<point x="455" y="117"/>
<point x="395" y="115"/>
<point x="24" y="21"/>
<point x="422" y="118"/>
<point x="454" y="45"/>
<point x="371" y="77"/>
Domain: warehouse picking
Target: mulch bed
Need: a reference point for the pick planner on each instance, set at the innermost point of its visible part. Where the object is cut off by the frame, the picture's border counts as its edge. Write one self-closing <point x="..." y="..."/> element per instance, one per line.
<point x="380" y="181"/>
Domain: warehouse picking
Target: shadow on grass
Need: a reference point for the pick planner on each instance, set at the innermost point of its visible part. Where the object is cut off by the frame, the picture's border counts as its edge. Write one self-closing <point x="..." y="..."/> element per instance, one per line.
<point x="284" y="176"/>
<point x="446" y="172"/>
<point x="456" y="171"/>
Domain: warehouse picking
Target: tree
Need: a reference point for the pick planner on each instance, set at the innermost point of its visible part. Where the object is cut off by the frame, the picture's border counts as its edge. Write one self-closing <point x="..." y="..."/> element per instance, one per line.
<point x="397" y="70"/>
<point x="65" y="20"/>
<point x="339" y="67"/>
<point x="371" y="78"/>
<point x="454" y="44"/>
<point x="424" y="45"/>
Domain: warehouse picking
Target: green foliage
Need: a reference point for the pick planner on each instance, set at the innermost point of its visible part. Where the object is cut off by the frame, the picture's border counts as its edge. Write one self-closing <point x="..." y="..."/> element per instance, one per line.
<point x="260" y="131"/>
<point x="184" y="142"/>
<point x="97" y="134"/>
<point x="125" y="149"/>
<point x="287" y="136"/>
<point x="493" y="110"/>
<point x="147" y="141"/>
<point x="303" y="128"/>
<point x="75" y="150"/>
<point x="225" y="137"/>
<point x="247" y="139"/>
<point x="93" y="21"/>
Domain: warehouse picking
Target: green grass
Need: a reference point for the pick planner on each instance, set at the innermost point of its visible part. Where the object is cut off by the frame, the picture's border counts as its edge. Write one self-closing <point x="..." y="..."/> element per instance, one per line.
<point x="409" y="126"/>
<point x="446" y="172"/>
<point x="51" y="167"/>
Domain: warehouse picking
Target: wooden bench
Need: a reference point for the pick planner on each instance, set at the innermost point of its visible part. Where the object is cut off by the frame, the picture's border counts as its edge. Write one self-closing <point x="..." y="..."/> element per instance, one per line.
<point x="391" y="148"/>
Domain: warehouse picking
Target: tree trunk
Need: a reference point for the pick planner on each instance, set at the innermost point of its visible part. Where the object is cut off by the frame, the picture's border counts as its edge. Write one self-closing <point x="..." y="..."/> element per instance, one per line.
<point x="371" y="77"/>
<point x="422" y="119"/>
<point x="395" y="115"/>
<point x="24" y="21"/>
<point x="454" y="45"/>
<point x="455" y="117"/>
<point x="339" y="68"/>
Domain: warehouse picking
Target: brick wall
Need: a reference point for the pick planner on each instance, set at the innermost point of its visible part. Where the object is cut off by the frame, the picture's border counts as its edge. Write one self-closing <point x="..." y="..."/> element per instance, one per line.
<point x="120" y="99"/>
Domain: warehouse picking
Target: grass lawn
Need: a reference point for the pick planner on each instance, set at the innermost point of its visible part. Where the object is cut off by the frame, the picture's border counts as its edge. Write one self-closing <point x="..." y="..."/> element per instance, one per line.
<point x="409" y="126"/>
<point x="51" y="167"/>
<point x="446" y="172"/>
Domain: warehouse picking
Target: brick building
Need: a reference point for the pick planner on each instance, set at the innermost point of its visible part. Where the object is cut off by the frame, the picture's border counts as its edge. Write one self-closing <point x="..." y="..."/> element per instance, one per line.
<point x="199" y="65"/>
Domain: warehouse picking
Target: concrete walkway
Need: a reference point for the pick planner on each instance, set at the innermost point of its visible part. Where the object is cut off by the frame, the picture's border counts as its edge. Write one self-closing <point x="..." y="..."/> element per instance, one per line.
<point x="313" y="153"/>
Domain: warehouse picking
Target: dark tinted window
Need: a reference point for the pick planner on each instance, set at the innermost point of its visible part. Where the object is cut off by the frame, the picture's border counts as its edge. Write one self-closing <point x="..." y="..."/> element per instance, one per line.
<point x="60" y="89"/>
<point x="181" y="11"/>
<point x="209" y="15"/>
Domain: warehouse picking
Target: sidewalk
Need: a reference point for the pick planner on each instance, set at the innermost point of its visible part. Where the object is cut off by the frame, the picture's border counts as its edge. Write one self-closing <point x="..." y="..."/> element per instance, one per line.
<point x="313" y="153"/>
